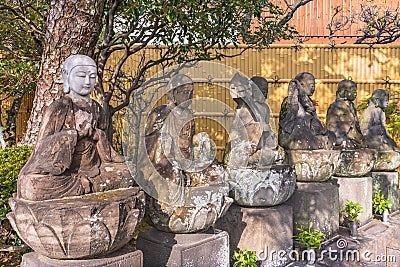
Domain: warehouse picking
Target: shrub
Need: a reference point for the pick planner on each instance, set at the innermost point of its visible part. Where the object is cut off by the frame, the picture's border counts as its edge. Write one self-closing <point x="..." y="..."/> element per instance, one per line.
<point x="245" y="258"/>
<point x="380" y="203"/>
<point x="12" y="160"/>
<point x="352" y="209"/>
<point x="310" y="238"/>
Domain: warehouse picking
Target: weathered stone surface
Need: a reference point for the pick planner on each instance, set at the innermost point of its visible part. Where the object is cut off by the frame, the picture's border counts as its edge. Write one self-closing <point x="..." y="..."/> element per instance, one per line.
<point x="388" y="182"/>
<point x="356" y="189"/>
<point x="299" y="125"/>
<point x="78" y="227"/>
<point x="387" y="161"/>
<point x="207" y="249"/>
<point x="201" y="207"/>
<point x="185" y="185"/>
<point x="125" y="257"/>
<point x="373" y="123"/>
<point x="313" y="165"/>
<point x="355" y="163"/>
<point x="252" y="143"/>
<point x="72" y="155"/>
<point x="317" y="203"/>
<point x="263" y="230"/>
<point x="262" y="187"/>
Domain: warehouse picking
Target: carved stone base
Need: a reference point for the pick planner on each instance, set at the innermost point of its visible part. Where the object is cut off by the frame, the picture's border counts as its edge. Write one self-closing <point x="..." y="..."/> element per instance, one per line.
<point x="356" y="189"/>
<point x="388" y="182"/>
<point x="208" y="249"/>
<point x="260" y="229"/>
<point x="317" y="203"/>
<point x="125" y="257"/>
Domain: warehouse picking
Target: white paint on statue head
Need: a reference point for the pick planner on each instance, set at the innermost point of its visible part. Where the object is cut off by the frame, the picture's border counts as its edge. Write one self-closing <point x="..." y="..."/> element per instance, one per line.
<point x="79" y="76"/>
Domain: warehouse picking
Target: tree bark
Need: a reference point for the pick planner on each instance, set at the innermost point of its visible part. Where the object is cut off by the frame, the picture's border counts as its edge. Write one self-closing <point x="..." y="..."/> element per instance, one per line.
<point x="73" y="27"/>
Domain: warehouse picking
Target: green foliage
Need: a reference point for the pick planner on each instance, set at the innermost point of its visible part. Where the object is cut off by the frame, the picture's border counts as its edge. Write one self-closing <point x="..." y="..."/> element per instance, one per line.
<point x="11" y="162"/>
<point x="380" y="203"/>
<point x="310" y="238"/>
<point x="352" y="210"/>
<point x="17" y="76"/>
<point x="245" y="258"/>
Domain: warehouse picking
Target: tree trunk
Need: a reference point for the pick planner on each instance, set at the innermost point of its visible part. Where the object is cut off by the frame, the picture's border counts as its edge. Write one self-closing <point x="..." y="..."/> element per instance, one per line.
<point x="73" y="27"/>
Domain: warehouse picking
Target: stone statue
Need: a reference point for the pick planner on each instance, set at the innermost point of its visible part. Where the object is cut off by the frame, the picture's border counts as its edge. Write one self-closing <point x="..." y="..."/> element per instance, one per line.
<point x="355" y="159"/>
<point x="373" y="122"/>
<point x="299" y="125"/>
<point x="252" y="154"/>
<point x="342" y="119"/>
<point x="181" y="172"/>
<point x="307" y="142"/>
<point x="72" y="156"/>
<point x="253" y="143"/>
<point x="75" y="197"/>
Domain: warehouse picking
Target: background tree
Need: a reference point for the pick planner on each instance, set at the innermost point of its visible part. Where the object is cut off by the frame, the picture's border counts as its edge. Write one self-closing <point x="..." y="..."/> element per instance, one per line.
<point x="182" y="31"/>
<point x="21" y="31"/>
<point x="377" y="23"/>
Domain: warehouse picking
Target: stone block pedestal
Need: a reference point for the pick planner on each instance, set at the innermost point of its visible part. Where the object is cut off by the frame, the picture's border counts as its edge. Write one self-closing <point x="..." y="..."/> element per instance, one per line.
<point x="125" y="257"/>
<point x="207" y="249"/>
<point x="317" y="203"/>
<point x="264" y="230"/>
<point x="388" y="182"/>
<point x="356" y="189"/>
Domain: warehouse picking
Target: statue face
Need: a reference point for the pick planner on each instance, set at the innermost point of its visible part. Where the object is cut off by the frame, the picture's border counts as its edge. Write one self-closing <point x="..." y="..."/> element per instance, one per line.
<point x="183" y="95"/>
<point x="309" y="86"/>
<point x="240" y="90"/>
<point x="82" y="79"/>
<point x="351" y="93"/>
<point x="383" y="101"/>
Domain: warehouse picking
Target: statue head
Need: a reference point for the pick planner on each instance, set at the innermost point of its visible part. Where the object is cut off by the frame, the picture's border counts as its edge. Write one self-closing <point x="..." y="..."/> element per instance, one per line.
<point x="79" y="75"/>
<point x="347" y="90"/>
<point x="180" y="90"/>
<point x="379" y="98"/>
<point x="240" y="86"/>
<point x="262" y="85"/>
<point x="307" y="82"/>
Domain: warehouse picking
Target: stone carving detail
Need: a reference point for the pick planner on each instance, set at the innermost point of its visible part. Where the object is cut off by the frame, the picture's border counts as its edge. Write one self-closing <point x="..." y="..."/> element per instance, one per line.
<point x="299" y="125"/>
<point x="79" y="227"/>
<point x="355" y="159"/>
<point x="373" y="126"/>
<point x="72" y="155"/>
<point x="75" y="195"/>
<point x="189" y="191"/>
<point x="252" y="153"/>
<point x="308" y="143"/>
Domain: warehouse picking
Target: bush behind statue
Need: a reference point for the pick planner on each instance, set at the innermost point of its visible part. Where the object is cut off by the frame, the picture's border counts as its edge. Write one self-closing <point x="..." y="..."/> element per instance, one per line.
<point x="12" y="160"/>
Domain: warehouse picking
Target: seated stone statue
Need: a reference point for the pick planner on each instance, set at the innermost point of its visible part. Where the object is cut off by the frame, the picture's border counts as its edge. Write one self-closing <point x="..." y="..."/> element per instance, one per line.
<point x="253" y="143"/>
<point x="185" y="185"/>
<point x="170" y="137"/>
<point x="299" y="125"/>
<point x="373" y="123"/>
<point x="342" y="119"/>
<point x="72" y="155"/>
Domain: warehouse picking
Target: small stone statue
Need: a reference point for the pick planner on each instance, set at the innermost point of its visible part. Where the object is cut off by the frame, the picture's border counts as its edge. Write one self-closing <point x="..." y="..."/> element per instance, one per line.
<point x="299" y="125"/>
<point x="355" y="159"/>
<point x="342" y="119"/>
<point x="72" y="156"/>
<point x="188" y="192"/>
<point x="170" y="138"/>
<point x="252" y="154"/>
<point x="75" y="197"/>
<point x="373" y="123"/>
<point x="253" y="143"/>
